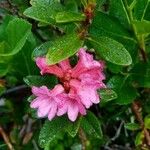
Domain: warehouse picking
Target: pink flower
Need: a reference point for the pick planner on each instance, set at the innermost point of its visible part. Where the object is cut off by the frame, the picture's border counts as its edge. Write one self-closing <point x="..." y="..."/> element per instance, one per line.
<point x="78" y="88"/>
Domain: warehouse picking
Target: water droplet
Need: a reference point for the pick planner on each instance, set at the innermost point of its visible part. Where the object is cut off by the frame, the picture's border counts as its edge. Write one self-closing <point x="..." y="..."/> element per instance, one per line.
<point x="42" y="142"/>
<point x="33" y="2"/>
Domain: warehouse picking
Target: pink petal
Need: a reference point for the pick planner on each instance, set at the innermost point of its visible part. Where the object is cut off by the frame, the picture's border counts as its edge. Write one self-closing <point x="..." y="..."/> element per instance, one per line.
<point x="36" y="102"/>
<point x="82" y="109"/>
<point x="58" y="89"/>
<point x="72" y="111"/>
<point x="52" y="111"/>
<point x="43" y="111"/>
<point x="86" y="62"/>
<point x="87" y="94"/>
<point x="62" y="110"/>
<point x="40" y="91"/>
<point x="52" y="69"/>
<point x="65" y="65"/>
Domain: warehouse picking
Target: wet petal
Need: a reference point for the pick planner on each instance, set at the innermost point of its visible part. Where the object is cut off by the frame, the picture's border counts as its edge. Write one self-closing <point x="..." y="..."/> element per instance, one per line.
<point x="65" y="65"/>
<point x="52" y="111"/>
<point x="72" y="111"/>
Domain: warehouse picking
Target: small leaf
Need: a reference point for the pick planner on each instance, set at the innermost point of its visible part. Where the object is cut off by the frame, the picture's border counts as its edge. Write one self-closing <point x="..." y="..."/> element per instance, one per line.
<point x="118" y="10"/>
<point x="142" y="27"/>
<point x="141" y="78"/>
<point x="147" y="122"/>
<point x="41" y="50"/>
<point x="107" y="95"/>
<point x="4" y="69"/>
<point x="73" y="127"/>
<point x="2" y="89"/>
<point x="125" y="92"/>
<point x="91" y="125"/>
<point x="51" y="129"/>
<point x="40" y="81"/>
<point x="139" y="138"/>
<point x="43" y="11"/>
<point x="132" y="126"/>
<point x="140" y="9"/>
<point x="63" y="48"/>
<point x="111" y="50"/>
<point x="64" y="17"/>
<point x="16" y="38"/>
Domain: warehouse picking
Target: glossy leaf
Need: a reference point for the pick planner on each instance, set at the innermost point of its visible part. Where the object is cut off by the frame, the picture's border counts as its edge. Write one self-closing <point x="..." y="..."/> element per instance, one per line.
<point x="64" y="17"/>
<point x="111" y="50"/>
<point x="40" y="81"/>
<point x="132" y="126"/>
<point x="139" y="138"/>
<point x="107" y="95"/>
<point x="63" y="48"/>
<point x="43" y="11"/>
<point x="108" y="26"/>
<point x="141" y="78"/>
<point x="73" y="127"/>
<point x="51" y="129"/>
<point x="147" y="122"/>
<point x="91" y="125"/>
<point x="142" y="27"/>
<point x="140" y="9"/>
<point x="126" y="93"/>
<point x="16" y="38"/>
<point x="118" y="10"/>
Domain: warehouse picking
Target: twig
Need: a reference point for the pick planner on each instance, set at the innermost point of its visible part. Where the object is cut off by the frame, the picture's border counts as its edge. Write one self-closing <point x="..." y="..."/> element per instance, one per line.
<point x="83" y="138"/>
<point x="17" y="88"/>
<point x="137" y="111"/>
<point x="118" y="132"/>
<point x="6" y="138"/>
<point x="35" y="145"/>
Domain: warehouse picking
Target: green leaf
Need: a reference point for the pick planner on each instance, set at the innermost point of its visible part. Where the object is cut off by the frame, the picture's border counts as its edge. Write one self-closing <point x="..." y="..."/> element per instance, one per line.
<point x="140" y="9"/>
<point x="65" y="17"/>
<point x="107" y="95"/>
<point x="132" y="126"/>
<point x="22" y="62"/>
<point x="44" y="11"/>
<point x="4" y="68"/>
<point x="111" y="50"/>
<point x="108" y="26"/>
<point x="16" y="38"/>
<point x="63" y="48"/>
<point x="139" y="138"/>
<point x="2" y="89"/>
<point x="41" y="50"/>
<point x="126" y="93"/>
<point x="141" y="78"/>
<point x="147" y="122"/>
<point x="91" y="125"/>
<point x="38" y="81"/>
<point x="73" y="127"/>
<point x="118" y="10"/>
<point x="50" y="130"/>
<point x="142" y="27"/>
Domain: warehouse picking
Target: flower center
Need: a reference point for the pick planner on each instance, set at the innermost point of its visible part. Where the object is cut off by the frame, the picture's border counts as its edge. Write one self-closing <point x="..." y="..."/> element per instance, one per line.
<point x="66" y="79"/>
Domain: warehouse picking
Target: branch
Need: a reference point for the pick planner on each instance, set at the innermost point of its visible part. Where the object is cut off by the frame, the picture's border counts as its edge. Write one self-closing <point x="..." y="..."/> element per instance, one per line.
<point x="136" y="108"/>
<point x="83" y="138"/>
<point x="6" y="138"/>
<point x="17" y="88"/>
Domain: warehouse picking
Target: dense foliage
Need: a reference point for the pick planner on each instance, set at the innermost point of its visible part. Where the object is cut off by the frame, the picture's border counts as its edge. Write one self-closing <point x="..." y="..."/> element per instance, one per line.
<point x="115" y="31"/>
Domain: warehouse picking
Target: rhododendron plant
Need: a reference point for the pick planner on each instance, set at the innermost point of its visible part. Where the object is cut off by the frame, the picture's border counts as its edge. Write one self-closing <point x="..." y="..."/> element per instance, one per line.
<point x="74" y="74"/>
<point x="77" y="88"/>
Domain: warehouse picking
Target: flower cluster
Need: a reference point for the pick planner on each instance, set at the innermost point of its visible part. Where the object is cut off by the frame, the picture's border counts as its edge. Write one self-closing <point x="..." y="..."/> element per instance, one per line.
<point x="77" y="88"/>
